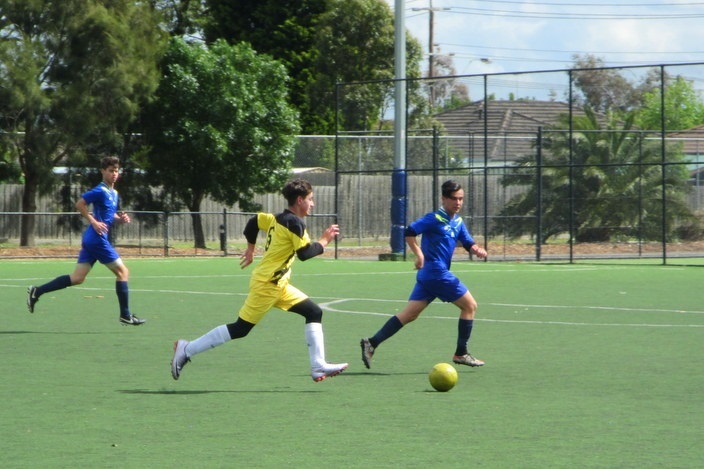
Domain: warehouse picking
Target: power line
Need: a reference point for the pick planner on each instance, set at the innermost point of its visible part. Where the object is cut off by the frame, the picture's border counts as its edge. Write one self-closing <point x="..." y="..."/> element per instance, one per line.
<point x="557" y="51"/>
<point x="571" y="16"/>
<point x="591" y="5"/>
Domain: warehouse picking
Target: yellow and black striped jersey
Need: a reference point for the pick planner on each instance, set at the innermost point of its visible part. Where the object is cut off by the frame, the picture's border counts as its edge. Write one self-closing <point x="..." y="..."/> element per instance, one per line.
<point x="286" y="238"/>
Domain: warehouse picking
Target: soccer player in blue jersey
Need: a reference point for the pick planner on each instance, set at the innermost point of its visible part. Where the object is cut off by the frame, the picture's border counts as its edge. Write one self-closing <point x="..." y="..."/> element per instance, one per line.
<point x="269" y="287"/>
<point x="95" y="245"/>
<point x="440" y="232"/>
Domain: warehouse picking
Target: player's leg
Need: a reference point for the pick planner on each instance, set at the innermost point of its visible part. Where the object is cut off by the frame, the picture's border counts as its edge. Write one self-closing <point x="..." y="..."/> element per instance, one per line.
<point x="122" y="274"/>
<point x="468" y="307"/>
<point x="62" y="281"/>
<point x="184" y="350"/>
<point x="391" y="327"/>
<point x="395" y="323"/>
<point x="260" y="300"/>
<point x="419" y="299"/>
<point x="313" y="314"/>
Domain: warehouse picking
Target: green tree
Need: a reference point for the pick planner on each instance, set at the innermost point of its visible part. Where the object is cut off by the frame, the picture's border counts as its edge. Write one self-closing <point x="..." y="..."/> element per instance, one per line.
<point x="284" y="30"/>
<point x="10" y="171"/>
<point x="220" y="125"/>
<point x="355" y="43"/>
<point x="684" y="108"/>
<point x="181" y="17"/>
<point x="71" y="73"/>
<point x="613" y="177"/>
<point x="322" y="43"/>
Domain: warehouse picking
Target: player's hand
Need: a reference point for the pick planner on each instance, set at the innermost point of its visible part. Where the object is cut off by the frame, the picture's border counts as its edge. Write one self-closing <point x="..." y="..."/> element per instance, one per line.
<point x="123" y="217"/>
<point x="246" y="258"/>
<point x="420" y="260"/>
<point x="479" y="251"/>
<point x="330" y="233"/>
<point x="100" y="228"/>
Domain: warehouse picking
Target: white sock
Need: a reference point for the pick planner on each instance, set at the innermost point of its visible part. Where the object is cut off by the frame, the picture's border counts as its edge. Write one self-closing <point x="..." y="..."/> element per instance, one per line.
<point x="316" y="344"/>
<point x="212" y="339"/>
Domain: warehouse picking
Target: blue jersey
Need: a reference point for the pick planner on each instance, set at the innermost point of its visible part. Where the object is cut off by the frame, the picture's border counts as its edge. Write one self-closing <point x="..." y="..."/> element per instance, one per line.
<point x="105" y="203"/>
<point x="440" y="236"/>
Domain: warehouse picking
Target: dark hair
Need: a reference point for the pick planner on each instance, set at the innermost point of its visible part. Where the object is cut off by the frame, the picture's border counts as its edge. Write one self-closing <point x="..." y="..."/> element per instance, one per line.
<point x="450" y="187"/>
<point x="295" y="188"/>
<point x="108" y="161"/>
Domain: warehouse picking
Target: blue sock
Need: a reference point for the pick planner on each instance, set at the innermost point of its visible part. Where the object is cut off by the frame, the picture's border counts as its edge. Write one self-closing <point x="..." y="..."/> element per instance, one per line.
<point x="392" y="326"/>
<point x="123" y="298"/>
<point x="60" y="282"/>
<point x="464" y="330"/>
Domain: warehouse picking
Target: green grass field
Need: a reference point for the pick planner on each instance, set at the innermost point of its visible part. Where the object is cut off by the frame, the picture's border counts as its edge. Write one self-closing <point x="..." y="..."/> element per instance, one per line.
<point x="588" y="366"/>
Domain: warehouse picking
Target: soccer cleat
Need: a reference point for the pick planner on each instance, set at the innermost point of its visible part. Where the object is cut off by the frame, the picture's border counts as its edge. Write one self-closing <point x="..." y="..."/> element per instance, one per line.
<point x="180" y="359"/>
<point x="467" y="359"/>
<point x="367" y="352"/>
<point x="328" y="370"/>
<point x="132" y="321"/>
<point x="31" y="298"/>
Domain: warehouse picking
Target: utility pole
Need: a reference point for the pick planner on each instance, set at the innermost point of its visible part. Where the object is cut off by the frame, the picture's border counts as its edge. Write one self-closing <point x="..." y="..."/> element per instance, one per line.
<point x="431" y="50"/>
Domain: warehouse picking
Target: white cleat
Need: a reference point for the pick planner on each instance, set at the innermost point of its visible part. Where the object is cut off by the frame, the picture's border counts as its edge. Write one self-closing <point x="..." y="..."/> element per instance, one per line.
<point x="468" y="360"/>
<point x="328" y="370"/>
<point x="180" y="359"/>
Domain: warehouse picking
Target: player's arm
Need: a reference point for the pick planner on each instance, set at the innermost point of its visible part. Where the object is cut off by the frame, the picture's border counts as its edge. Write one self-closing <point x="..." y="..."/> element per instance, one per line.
<point x="318" y="247"/>
<point x="469" y="244"/>
<point x="478" y="251"/>
<point x="82" y="207"/>
<point x="251" y="230"/>
<point x="412" y="242"/>
<point x="310" y="250"/>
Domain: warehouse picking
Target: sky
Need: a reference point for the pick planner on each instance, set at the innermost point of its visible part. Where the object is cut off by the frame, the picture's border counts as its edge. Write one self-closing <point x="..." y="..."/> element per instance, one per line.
<point x="498" y="36"/>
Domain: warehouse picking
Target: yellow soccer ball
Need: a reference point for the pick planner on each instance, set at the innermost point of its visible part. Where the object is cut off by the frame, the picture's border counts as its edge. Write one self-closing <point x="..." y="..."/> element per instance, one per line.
<point x="443" y="377"/>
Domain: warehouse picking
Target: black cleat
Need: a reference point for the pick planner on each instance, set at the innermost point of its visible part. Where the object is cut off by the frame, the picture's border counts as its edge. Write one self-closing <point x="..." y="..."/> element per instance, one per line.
<point x="367" y="352"/>
<point x="31" y="298"/>
<point x="132" y="321"/>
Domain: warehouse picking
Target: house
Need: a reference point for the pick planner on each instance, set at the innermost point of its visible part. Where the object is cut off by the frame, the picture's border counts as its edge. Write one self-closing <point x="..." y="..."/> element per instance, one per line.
<point x="692" y="141"/>
<point x="512" y="127"/>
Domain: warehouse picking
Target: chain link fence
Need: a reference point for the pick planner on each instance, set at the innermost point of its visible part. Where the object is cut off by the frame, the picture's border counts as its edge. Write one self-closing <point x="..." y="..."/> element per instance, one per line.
<point x="543" y="178"/>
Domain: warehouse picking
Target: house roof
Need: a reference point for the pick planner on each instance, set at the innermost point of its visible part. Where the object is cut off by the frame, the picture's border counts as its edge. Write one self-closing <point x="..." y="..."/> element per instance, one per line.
<point x="512" y="126"/>
<point x="692" y="140"/>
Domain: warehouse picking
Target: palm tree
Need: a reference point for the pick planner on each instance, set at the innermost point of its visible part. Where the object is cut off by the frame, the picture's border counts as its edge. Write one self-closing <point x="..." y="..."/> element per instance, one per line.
<point x="608" y="184"/>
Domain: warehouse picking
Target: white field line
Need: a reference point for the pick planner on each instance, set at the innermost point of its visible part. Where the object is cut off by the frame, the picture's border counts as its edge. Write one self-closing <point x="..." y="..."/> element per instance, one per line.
<point x="332" y="306"/>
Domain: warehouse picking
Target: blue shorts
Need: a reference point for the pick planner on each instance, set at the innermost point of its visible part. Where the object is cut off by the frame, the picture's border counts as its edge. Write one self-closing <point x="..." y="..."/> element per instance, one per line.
<point x="101" y="251"/>
<point x="444" y="285"/>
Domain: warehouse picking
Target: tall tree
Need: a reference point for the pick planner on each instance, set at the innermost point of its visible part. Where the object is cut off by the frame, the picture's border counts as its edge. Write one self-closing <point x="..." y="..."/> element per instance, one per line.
<point x="355" y="43"/>
<point x="321" y="43"/>
<point x="602" y="89"/>
<point x="71" y="72"/>
<point x="283" y="30"/>
<point x="446" y="93"/>
<point x="181" y="17"/>
<point x="220" y="125"/>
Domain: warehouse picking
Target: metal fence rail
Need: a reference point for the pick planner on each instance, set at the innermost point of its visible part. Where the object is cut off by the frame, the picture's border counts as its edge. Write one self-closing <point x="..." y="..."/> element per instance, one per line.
<point x="150" y="233"/>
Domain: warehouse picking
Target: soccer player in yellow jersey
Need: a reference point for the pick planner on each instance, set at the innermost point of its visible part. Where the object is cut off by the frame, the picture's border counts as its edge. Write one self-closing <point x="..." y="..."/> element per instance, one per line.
<point x="286" y="239"/>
